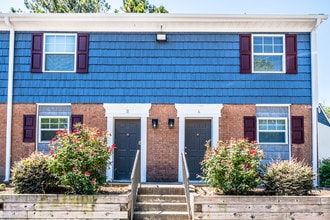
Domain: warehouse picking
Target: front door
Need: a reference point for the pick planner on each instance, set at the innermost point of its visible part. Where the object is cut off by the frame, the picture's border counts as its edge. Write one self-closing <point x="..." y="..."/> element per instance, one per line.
<point x="197" y="132"/>
<point x="127" y="140"/>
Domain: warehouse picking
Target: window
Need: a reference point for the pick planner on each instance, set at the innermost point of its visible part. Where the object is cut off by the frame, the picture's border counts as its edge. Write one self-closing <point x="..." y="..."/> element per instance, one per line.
<point x="268" y="53"/>
<point x="49" y="125"/>
<point x="272" y="130"/>
<point x="60" y="52"/>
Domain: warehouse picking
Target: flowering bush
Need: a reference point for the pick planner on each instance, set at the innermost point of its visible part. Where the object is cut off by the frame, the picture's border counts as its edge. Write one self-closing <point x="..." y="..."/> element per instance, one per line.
<point x="80" y="158"/>
<point x="232" y="166"/>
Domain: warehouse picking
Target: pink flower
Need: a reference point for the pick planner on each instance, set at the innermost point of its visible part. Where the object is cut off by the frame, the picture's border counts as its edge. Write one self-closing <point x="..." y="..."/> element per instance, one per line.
<point x="253" y="152"/>
<point x="51" y="152"/>
<point x="74" y="169"/>
<point x="87" y="173"/>
<point x="93" y="181"/>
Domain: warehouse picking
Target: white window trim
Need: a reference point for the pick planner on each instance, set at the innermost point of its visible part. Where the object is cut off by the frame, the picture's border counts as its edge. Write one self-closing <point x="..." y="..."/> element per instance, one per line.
<point x="44" y="53"/>
<point x="39" y="126"/>
<point x="271" y="54"/>
<point x="271" y="118"/>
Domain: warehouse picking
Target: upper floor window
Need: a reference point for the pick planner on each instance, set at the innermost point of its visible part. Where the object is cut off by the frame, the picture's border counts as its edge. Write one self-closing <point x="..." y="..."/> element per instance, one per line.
<point x="272" y="130"/>
<point x="268" y="53"/>
<point x="60" y="52"/>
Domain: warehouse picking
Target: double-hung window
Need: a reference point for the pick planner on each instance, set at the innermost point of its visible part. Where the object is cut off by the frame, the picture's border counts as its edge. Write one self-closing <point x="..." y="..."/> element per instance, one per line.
<point x="60" y="52"/>
<point x="49" y="125"/>
<point x="272" y="130"/>
<point x="268" y="53"/>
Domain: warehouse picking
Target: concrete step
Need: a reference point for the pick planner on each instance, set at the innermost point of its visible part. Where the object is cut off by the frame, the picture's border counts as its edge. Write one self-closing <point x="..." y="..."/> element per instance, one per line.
<point x="160" y="215"/>
<point x="161" y="190"/>
<point x="161" y="198"/>
<point x="161" y="206"/>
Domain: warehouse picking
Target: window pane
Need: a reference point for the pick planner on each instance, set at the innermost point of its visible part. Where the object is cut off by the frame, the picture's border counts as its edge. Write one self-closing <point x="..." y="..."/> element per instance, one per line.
<point x="278" y="40"/>
<point x="257" y="40"/>
<point x="47" y="135"/>
<point x="257" y="48"/>
<point x="56" y="62"/>
<point x="267" y="63"/>
<point x="278" y="49"/>
<point x="280" y="125"/>
<point x="268" y="49"/>
<point x="272" y="137"/>
<point x="268" y="40"/>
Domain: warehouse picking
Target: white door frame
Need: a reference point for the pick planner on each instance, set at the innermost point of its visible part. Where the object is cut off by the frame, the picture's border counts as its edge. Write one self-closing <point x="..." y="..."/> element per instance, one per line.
<point x="128" y="111"/>
<point x="197" y="111"/>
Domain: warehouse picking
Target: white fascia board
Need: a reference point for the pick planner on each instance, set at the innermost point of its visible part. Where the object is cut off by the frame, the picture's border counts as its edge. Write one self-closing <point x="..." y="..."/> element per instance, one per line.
<point x="162" y="22"/>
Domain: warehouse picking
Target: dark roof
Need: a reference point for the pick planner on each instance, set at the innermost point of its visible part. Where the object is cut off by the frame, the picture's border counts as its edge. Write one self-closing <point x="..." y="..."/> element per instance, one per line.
<point x="322" y="117"/>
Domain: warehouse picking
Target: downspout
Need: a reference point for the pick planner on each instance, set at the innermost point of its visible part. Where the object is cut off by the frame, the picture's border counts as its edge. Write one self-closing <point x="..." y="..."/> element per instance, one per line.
<point x="9" y="97"/>
<point x="315" y="98"/>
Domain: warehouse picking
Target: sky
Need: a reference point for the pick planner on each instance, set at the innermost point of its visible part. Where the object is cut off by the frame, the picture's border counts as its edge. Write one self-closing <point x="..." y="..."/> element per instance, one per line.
<point x="302" y="7"/>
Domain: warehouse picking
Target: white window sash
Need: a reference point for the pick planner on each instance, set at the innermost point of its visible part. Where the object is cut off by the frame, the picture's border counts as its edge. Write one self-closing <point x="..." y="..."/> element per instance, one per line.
<point x="51" y="129"/>
<point x="276" y="118"/>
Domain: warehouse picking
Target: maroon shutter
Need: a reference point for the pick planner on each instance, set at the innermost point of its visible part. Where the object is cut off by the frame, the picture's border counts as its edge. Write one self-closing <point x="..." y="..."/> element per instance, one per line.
<point x="291" y="53"/>
<point x="76" y="119"/>
<point x="245" y="53"/>
<point x="82" y="53"/>
<point x="29" y="128"/>
<point x="297" y="129"/>
<point x="36" y="53"/>
<point x="250" y="128"/>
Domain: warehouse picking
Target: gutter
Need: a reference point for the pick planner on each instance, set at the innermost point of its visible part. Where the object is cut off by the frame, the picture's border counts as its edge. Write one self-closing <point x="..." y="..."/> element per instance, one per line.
<point x="9" y="96"/>
<point x="315" y="97"/>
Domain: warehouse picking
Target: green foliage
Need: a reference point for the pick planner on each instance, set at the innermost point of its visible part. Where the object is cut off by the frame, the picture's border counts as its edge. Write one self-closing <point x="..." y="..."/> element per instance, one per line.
<point x="288" y="178"/>
<point x="32" y="174"/>
<point x="67" y="6"/>
<point x="263" y="65"/>
<point x="80" y="158"/>
<point x="324" y="172"/>
<point x="141" y="6"/>
<point x="232" y="166"/>
<point x="2" y="187"/>
<point x="327" y="110"/>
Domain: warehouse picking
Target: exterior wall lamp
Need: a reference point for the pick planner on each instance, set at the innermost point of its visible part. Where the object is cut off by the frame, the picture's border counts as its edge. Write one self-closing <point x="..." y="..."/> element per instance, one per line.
<point x="154" y="123"/>
<point x="170" y="122"/>
<point x="161" y="37"/>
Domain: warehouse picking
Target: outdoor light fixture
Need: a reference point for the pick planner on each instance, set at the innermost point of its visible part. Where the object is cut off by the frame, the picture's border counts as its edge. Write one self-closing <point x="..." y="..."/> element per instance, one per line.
<point x="154" y="122"/>
<point x="161" y="36"/>
<point x="170" y="122"/>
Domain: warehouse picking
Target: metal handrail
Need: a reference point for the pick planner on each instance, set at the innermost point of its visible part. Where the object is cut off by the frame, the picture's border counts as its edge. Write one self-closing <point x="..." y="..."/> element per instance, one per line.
<point x="135" y="181"/>
<point x="185" y="177"/>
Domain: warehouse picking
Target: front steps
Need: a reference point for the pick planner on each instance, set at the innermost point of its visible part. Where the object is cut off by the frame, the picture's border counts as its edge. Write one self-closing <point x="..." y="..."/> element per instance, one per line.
<point x="161" y="202"/>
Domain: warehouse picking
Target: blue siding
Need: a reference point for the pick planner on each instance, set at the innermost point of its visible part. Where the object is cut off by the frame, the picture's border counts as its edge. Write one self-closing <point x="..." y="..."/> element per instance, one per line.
<point x="4" y="50"/>
<point x="135" y="68"/>
<point x="322" y="117"/>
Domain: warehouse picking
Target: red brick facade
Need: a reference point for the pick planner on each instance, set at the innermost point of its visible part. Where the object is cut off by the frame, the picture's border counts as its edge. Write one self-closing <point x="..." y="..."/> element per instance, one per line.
<point x="162" y="145"/>
<point x="162" y="142"/>
<point x="303" y="152"/>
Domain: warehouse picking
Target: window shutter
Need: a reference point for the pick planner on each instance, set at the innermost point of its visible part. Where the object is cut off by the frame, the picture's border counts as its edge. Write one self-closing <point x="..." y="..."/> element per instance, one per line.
<point x="245" y="53"/>
<point x="76" y="119"/>
<point x="297" y="129"/>
<point x="36" y="53"/>
<point x="29" y="128"/>
<point x="291" y="53"/>
<point x="82" y="53"/>
<point x="250" y="128"/>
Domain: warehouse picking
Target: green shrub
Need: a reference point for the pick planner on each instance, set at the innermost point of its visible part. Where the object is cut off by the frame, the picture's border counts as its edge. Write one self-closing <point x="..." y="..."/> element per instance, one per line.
<point x="232" y="166"/>
<point x="288" y="178"/>
<point x="2" y="187"/>
<point x="80" y="158"/>
<point x="324" y="172"/>
<point x="32" y="174"/>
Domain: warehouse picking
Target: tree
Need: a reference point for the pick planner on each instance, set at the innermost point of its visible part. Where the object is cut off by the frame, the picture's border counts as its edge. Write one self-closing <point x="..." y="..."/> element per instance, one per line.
<point x="141" y="6"/>
<point x="327" y="110"/>
<point x="67" y="6"/>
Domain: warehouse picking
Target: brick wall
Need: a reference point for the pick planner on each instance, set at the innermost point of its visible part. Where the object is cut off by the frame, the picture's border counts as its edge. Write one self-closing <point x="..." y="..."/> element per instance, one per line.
<point x="94" y="114"/>
<point x="3" y="119"/>
<point x="162" y="145"/>
<point x="19" y="149"/>
<point x="303" y="152"/>
<point x="231" y="120"/>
